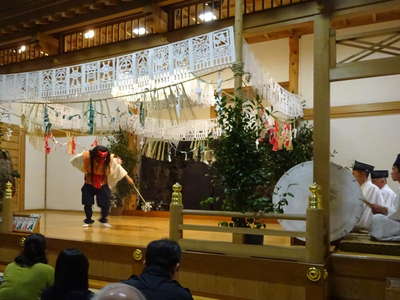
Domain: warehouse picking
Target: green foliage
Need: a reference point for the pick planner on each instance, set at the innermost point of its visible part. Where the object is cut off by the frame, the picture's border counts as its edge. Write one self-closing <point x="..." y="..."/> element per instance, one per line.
<point x="240" y="167"/>
<point x="119" y="146"/>
<point x="247" y="174"/>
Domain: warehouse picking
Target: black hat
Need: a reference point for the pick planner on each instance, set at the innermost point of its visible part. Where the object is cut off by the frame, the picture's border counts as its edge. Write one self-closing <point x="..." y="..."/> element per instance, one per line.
<point x="379" y="174"/>
<point x="359" y="166"/>
<point x="397" y="161"/>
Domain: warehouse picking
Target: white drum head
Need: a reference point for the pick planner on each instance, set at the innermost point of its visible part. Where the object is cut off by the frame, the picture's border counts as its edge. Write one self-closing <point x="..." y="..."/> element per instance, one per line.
<point x="345" y="203"/>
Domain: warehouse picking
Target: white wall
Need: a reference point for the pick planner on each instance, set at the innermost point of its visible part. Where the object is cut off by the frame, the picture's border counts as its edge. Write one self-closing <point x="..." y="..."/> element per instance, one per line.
<point x="34" y="177"/>
<point x="374" y="140"/>
<point x="274" y="56"/>
<point x="64" y="182"/>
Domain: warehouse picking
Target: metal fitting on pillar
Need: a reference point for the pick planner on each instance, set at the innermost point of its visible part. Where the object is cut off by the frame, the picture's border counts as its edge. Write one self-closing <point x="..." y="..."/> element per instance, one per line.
<point x="315" y="199"/>
<point x="176" y="195"/>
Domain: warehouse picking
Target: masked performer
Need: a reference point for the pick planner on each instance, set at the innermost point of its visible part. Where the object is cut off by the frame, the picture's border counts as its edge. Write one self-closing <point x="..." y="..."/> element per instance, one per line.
<point x="102" y="172"/>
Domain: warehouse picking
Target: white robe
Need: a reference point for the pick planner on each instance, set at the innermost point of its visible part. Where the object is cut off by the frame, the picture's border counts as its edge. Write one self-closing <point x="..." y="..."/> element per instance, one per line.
<point x="387" y="228"/>
<point x="117" y="172"/>
<point x="373" y="195"/>
<point x="395" y="215"/>
<point x="389" y="199"/>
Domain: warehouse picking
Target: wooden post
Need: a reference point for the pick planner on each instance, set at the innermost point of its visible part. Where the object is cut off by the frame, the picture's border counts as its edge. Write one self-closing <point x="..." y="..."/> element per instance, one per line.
<point x="175" y="213"/>
<point x="7" y="213"/>
<point x="321" y="134"/>
<point x="130" y="202"/>
<point x="294" y="64"/>
<point x="238" y="67"/>
<point x="315" y="244"/>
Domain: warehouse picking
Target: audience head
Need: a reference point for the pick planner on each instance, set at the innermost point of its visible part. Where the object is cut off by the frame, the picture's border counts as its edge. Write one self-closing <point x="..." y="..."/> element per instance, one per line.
<point x="361" y="171"/>
<point x="119" y="291"/>
<point x="165" y="254"/>
<point x="378" y="177"/>
<point x="34" y="251"/>
<point x="71" y="273"/>
<point x="396" y="169"/>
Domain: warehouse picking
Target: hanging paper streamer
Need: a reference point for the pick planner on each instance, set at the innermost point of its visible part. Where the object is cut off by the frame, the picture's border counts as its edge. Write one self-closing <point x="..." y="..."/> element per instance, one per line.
<point x="46" y="121"/>
<point x="91" y="114"/>
<point x="141" y="114"/>
<point x="290" y="105"/>
<point x="71" y="146"/>
<point x="47" y="130"/>
<point x="47" y="148"/>
<point x="95" y="143"/>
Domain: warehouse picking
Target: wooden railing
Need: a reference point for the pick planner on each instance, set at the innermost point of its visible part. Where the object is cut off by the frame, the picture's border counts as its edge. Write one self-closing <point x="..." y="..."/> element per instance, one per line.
<point x="312" y="252"/>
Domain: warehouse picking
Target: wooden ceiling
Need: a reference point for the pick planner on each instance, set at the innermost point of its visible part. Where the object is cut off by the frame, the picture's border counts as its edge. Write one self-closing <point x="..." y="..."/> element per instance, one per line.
<point x="341" y="22"/>
<point x="22" y="19"/>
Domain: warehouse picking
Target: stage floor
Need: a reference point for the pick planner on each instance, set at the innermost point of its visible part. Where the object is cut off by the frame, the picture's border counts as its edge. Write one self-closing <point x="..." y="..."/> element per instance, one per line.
<point x="129" y="230"/>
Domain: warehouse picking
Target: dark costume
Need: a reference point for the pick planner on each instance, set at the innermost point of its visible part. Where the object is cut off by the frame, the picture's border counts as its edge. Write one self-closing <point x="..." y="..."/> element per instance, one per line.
<point x="156" y="284"/>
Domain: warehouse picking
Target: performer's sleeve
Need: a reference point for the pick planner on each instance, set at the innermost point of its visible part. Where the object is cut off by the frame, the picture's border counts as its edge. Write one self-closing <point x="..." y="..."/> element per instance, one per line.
<point x="117" y="172"/>
<point x="77" y="162"/>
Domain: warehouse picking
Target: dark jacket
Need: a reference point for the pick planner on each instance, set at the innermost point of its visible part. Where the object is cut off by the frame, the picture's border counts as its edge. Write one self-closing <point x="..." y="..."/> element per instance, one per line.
<point x="49" y="294"/>
<point x="156" y="284"/>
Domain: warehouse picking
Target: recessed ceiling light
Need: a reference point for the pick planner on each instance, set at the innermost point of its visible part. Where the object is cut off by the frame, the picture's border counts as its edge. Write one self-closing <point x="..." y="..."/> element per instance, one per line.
<point x="139" y="31"/>
<point x="89" y="34"/>
<point x="207" y="16"/>
<point x="22" y="49"/>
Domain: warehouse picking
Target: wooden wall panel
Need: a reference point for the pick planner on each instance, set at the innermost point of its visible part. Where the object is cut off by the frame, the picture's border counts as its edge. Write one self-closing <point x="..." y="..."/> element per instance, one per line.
<point x="216" y="276"/>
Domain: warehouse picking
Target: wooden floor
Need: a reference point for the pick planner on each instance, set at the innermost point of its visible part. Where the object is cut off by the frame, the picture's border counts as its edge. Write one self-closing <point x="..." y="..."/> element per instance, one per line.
<point x="129" y="230"/>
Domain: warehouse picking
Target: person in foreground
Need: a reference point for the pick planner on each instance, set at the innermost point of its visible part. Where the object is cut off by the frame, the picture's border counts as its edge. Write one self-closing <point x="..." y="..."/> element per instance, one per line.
<point x="372" y="196"/>
<point x="102" y="172"/>
<point x="71" y="280"/>
<point x="387" y="228"/>
<point x="29" y="274"/>
<point x="161" y="266"/>
<point x="119" y="291"/>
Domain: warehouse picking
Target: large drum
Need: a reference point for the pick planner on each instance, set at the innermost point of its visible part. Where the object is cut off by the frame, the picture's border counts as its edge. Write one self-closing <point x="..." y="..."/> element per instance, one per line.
<point x="345" y="198"/>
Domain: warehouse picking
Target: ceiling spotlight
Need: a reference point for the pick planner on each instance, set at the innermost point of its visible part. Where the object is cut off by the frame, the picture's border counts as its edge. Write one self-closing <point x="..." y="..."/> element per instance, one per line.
<point x="207" y="16"/>
<point x="22" y="49"/>
<point x="139" y="31"/>
<point x="89" y="34"/>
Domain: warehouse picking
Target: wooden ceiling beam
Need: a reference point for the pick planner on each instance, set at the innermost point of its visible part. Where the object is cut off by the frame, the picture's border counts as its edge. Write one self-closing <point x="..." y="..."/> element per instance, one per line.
<point x="365" y="69"/>
<point x="109" y="2"/>
<point x="58" y="6"/>
<point x="91" y="17"/>
<point x="67" y="14"/>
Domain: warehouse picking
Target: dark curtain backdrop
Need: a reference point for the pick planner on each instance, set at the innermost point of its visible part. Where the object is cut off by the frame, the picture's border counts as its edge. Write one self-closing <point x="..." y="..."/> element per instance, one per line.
<point x="157" y="178"/>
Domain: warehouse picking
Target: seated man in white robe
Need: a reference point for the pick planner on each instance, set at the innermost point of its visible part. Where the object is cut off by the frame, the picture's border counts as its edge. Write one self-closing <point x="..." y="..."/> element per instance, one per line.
<point x="379" y="178"/>
<point x="372" y="196"/>
<point x="387" y="228"/>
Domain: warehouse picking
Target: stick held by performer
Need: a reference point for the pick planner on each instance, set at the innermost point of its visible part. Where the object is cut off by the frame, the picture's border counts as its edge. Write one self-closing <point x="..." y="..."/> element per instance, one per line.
<point x="102" y="172"/>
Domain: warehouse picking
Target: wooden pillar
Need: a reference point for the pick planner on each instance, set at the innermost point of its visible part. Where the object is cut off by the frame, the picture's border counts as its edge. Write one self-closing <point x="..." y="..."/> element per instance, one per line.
<point x="130" y="202"/>
<point x="294" y="64"/>
<point x="175" y="213"/>
<point x="316" y="247"/>
<point x="157" y="19"/>
<point x="239" y="7"/>
<point x="321" y="112"/>
<point x="7" y="212"/>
